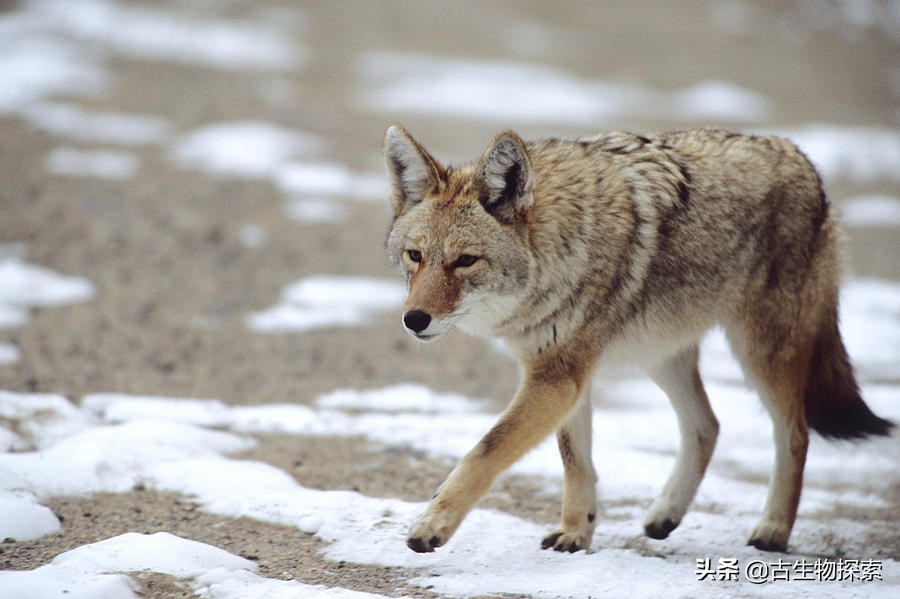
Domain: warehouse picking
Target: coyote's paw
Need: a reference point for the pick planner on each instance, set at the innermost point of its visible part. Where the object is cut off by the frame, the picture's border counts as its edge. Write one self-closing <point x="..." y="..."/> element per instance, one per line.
<point x="770" y="535"/>
<point x="568" y="542"/>
<point x="431" y="530"/>
<point x="664" y="517"/>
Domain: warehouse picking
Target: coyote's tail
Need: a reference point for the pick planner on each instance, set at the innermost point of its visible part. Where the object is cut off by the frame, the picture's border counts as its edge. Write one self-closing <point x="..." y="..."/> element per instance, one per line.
<point x="834" y="408"/>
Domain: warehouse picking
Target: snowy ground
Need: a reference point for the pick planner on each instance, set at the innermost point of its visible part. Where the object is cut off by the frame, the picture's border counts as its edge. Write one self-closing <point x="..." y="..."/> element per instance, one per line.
<point x="68" y="71"/>
<point x="115" y="442"/>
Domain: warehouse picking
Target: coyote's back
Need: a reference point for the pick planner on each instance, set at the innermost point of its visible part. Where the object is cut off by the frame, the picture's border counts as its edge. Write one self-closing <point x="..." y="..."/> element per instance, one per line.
<point x="626" y="247"/>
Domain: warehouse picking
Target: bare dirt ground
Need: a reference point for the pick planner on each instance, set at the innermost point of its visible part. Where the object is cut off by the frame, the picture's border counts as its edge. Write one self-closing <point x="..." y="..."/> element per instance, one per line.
<point x="175" y="284"/>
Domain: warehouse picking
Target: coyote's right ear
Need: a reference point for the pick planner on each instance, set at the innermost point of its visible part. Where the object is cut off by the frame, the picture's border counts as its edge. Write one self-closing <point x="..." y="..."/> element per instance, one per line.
<point x="412" y="170"/>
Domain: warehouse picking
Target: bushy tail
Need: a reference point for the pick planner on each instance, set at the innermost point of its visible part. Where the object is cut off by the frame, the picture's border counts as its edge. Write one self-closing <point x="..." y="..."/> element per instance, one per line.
<point x="834" y="408"/>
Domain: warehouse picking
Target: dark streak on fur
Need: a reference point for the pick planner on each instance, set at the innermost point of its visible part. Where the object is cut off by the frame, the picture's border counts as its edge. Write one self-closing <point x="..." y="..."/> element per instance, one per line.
<point x="625" y="271"/>
<point x="490" y="441"/>
<point x="565" y="448"/>
<point x="770" y="239"/>
<point x="822" y="213"/>
<point x="684" y="191"/>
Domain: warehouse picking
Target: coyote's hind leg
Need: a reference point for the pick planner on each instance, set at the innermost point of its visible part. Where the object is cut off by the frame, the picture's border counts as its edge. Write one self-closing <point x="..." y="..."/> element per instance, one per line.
<point x="679" y="378"/>
<point x="780" y="377"/>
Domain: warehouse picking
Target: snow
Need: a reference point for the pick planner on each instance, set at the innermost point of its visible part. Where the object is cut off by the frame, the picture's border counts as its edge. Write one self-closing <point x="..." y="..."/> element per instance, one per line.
<point x="251" y="149"/>
<point x="870" y="326"/>
<point x="871" y="211"/>
<point x="161" y="552"/>
<point x="419" y="83"/>
<point x="315" y="211"/>
<point x="24" y="518"/>
<point x="43" y="418"/>
<point x="252" y="236"/>
<point x="720" y="100"/>
<point x="24" y="285"/>
<point x="102" y="164"/>
<point x="93" y="572"/>
<point x="331" y="179"/>
<point x="327" y="301"/>
<point x="73" y="122"/>
<point x="48" y="48"/>
<point x="860" y="154"/>
<point x="399" y="398"/>
<point x="192" y="459"/>
<point x="155" y="34"/>
<point x="265" y="151"/>
<point x="9" y="353"/>
<point x="34" y="67"/>
<point x="113" y="442"/>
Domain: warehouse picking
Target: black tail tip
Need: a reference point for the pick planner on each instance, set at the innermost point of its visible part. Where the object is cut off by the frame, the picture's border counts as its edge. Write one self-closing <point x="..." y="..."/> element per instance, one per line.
<point x="853" y="424"/>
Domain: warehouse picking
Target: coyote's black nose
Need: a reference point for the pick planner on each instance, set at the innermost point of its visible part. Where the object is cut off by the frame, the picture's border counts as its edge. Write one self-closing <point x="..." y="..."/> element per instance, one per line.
<point x="416" y="320"/>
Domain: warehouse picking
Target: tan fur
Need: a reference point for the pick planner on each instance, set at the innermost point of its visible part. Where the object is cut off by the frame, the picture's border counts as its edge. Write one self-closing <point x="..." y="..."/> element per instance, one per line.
<point x="626" y="248"/>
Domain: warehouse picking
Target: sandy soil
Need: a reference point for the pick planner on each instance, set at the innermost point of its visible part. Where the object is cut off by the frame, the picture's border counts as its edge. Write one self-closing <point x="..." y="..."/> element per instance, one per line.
<point x="174" y="283"/>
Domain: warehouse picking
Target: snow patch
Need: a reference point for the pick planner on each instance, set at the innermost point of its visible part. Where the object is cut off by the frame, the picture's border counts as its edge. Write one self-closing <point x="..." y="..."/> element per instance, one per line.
<point x="319" y="302"/>
<point x="325" y="178"/>
<point x="23" y="517"/>
<point x="155" y="34"/>
<point x="399" y="398"/>
<point x="315" y="211"/>
<point x="73" y="122"/>
<point x="166" y="452"/>
<point x="871" y="211"/>
<point x="100" y="164"/>
<point x="115" y="441"/>
<point x="113" y="458"/>
<point x="260" y="150"/>
<point x="720" y="100"/>
<point x="24" y="285"/>
<point x="870" y="327"/>
<point x="861" y="154"/>
<point x="35" y="66"/>
<point x="160" y="552"/>
<point x="9" y="353"/>
<point x="252" y="149"/>
<point x="495" y="91"/>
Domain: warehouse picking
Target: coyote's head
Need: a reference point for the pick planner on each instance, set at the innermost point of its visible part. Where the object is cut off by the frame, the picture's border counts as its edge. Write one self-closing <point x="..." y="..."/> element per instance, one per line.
<point x="459" y="235"/>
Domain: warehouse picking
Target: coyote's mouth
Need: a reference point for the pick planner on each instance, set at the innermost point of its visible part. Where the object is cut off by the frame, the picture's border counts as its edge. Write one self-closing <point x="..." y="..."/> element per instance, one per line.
<point x="426" y="338"/>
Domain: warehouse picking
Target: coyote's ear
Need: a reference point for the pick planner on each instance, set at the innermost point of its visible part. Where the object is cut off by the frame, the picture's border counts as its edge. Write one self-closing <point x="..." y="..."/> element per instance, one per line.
<point x="412" y="170"/>
<point x="505" y="180"/>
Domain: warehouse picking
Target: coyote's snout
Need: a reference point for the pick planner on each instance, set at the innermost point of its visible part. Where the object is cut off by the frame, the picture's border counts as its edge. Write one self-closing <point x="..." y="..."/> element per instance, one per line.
<point x="622" y="247"/>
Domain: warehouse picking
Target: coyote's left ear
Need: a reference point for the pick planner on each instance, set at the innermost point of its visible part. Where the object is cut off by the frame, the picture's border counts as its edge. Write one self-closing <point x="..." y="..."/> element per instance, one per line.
<point x="505" y="180"/>
<point x="412" y="170"/>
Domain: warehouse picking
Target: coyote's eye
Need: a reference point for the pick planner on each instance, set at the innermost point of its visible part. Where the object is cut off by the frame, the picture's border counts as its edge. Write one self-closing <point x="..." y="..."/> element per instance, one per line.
<point x="465" y="260"/>
<point x="414" y="255"/>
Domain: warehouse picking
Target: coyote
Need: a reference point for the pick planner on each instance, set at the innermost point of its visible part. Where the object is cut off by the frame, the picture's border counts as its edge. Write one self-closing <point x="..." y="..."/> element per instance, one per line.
<point x="625" y="247"/>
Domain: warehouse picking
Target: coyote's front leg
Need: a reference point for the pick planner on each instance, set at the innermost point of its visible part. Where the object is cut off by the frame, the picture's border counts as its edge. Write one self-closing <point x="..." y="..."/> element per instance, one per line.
<point x="579" y="504"/>
<point x="544" y="400"/>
